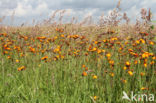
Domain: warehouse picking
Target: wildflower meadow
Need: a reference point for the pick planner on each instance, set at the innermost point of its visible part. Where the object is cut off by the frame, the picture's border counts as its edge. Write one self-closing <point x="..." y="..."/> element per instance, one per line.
<point x="78" y="62"/>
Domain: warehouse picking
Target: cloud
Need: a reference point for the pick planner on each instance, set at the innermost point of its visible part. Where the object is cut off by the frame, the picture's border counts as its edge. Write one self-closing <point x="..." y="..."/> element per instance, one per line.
<point x="81" y="4"/>
<point x="34" y="9"/>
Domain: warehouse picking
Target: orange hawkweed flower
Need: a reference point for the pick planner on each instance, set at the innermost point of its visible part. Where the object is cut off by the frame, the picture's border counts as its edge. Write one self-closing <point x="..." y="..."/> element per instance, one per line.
<point x="145" y="55"/>
<point x="142" y="41"/>
<point x="17" y="61"/>
<point x="75" y="36"/>
<point x="9" y="57"/>
<point x="108" y="55"/>
<point x="111" y="62"/>
<point x="112" y="74"/>
<point x="94" y="49"/>
<point x="21" y="68"/>
<point x="145" y="65"/>
<point x="95" y="97"/>
<point x="142" y="74"/>
<point x="94" y="77"/>
<point x="152" y="62"/>
<point x="99" y="51"/>
<point x="124" y="67"/>
<point x="104" y="41"/>
<point x="124" y="81"/>
<point x="3" y="34"/>
<point x="44" y="58"/>
<point x="151" y="43"/>
<point x="154" y="57"/>
<point x="41" y="38"/>
<point x="83" y="66"/>
<point x="130" y="73"/>
<point x="7" y="48"/>
<point x="130" y="50"/>
<point x="137" y="41"/>
<point x="137" y="62"/>
<point x="86" y="54"/>
<point x="86" y="68"/>
<point x="59" y="30"/>
<point x="127" y="64"/>
<point x="95" y="42"/>
<point x="5" y="52"/>
<point x="32" y="49"/>
<point x="84" y="73"/>
<point x="144" y="88"/>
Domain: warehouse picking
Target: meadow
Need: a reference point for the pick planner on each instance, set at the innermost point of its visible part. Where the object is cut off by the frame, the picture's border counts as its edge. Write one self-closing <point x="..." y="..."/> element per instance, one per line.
<point x="78" y="63"/>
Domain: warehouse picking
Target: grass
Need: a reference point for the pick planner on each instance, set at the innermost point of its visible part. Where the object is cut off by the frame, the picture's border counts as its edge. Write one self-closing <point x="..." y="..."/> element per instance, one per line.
<point x="73" y="63"/>
<point x="54" y="68"/>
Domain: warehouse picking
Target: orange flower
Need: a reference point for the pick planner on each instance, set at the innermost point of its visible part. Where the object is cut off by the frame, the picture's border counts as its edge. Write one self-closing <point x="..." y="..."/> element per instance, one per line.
<point x="99" y="51"/>
<point x="17" y="61"/>
<point x="84" y="73"/>
<point x="5" y="52"/>
<point x="86" y="68"/>
<point x="142" y="74"/>
<point x="143" y="41"/>
<point x="7" y="48"/>
<point x="59" y="30"/>
<point x="104" y="41"/>
<point x="137" y="41"/>
<point x="112" y="74"/>
<point x="130" y="50"/>
<point x="124" y="81"/>
<point x="151" y="43"/>
<point x="137" y="62"/>
<point x="111" y="62"/>
<point x="21" y="68"/>
<point x="144" y="88"/>
<point x="127" y="64"/>
<point x="95" y="42"/>
<point x="94" y="77"/>
<point x="62" y="35"/>
<point x="3" y="34"/>
<point x="145" y="65"/>
<point x="95" y="97"/>
<point x="124" y="67"/>
<point x="152" y="62"/>
<point x="32" y="49"/>
<point x="9" y="57"/>
<point x="94" y="49"/>
<point x="130" y="73"/>
<point x="108" y="55"/>
<point x="41" y="38"/>
<point x="44" y="58"/>
<point x="145" y="55"/>
<point x="154" y="57"/>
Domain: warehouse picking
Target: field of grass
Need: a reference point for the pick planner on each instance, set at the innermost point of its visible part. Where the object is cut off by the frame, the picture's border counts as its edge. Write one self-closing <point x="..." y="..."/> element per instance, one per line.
<point x="60" y="67"/>
<point x="78" y="63"/>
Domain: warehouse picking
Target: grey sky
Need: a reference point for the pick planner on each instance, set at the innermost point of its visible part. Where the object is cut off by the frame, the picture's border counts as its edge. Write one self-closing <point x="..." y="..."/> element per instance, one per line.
<point x="27" y="10"/>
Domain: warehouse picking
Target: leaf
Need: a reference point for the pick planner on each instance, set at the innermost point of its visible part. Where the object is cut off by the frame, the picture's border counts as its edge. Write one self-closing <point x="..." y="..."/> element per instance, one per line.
<point x="152" y="27"/>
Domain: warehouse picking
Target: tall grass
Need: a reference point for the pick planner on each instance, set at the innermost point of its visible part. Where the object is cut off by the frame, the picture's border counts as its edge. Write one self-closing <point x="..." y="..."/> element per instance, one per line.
<point x="73" y="63"/>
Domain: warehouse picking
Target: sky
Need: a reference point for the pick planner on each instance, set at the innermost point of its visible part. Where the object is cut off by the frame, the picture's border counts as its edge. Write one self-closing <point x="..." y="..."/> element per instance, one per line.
<point x="27" y="10"/>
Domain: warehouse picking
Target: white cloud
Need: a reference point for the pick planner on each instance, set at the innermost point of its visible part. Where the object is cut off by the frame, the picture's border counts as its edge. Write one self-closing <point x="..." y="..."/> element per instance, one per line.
<point x="90" y="12"/>
<point x="78" y="8"/>
<point x="42" y="7"/>
<point x="22" y="10"/>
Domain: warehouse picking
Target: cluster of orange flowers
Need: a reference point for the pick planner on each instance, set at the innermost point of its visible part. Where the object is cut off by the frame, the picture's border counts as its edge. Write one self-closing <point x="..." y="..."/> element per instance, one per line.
<point x="62" y="47"/>
<point x="111" y="50"/>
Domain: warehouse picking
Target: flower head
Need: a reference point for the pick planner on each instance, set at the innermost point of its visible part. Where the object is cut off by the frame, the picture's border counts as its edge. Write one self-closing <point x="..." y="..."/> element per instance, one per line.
<point x="21" y="68"/>
<point x="94" y="77"/>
